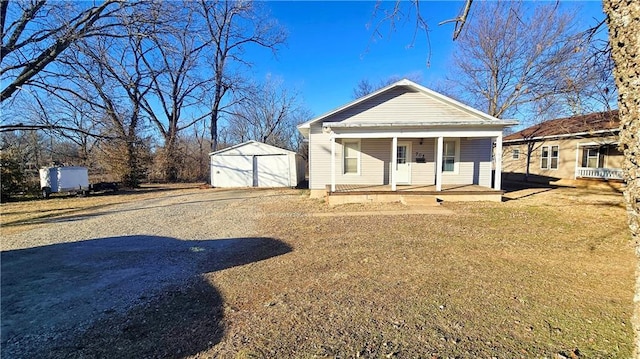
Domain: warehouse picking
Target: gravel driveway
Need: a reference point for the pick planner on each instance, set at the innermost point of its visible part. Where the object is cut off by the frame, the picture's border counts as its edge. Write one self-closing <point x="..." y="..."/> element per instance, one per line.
<point x="62" y="277"/>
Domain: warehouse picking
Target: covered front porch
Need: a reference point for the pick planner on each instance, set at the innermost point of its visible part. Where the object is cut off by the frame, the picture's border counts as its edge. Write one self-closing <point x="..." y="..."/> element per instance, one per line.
<point x="413" y="159"/>
<point x="598" y="161"/>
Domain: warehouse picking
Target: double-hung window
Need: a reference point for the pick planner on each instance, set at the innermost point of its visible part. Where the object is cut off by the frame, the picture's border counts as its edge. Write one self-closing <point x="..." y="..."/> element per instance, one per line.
<point x="549" y="157"/>
<point x="351" y="157"/>
<point x="593" y="157"/>
<point x="515" y="154"/>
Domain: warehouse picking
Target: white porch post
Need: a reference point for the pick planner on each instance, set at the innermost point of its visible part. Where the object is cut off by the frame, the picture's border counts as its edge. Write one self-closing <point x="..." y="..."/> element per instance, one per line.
<point x="394" y="162"/>
<point x="333" y="164"/>
<point x="575" y="171"/>
<point x="439" y="163"/>
<point x="498" y="173"/>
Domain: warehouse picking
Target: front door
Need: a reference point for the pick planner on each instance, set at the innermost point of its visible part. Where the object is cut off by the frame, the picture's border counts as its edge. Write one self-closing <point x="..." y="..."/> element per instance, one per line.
<point x="403" y="163"/>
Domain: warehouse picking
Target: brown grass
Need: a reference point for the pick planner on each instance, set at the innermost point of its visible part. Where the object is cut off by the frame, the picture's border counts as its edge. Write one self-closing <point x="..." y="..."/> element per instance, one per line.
<point x="548" y="273"/>
<point x="531" y="278"/>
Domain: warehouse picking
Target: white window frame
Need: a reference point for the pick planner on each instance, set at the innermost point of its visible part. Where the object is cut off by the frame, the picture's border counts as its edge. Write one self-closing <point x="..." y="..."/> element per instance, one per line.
<point x="358" y="157"/>
<point x="597" y="156"/>
<point x="515" y="154"/>
<point x="456" y="155"/>
<point x="549" y="157"/>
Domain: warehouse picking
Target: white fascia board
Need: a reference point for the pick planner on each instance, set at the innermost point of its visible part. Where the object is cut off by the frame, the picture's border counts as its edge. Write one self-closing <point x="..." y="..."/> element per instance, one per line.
<point x="597" y="143"/>
<point x="230" y="148"/>
<point x="417" y="124"/>
<point x="611" y="131"/>
<point x="304" y="131"/>
<point x="419" y="134"/>
<point x="277" y="150"/>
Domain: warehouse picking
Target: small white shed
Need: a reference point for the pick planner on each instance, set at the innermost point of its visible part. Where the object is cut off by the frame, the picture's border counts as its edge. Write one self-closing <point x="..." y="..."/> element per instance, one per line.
<point x="256" y="164"/>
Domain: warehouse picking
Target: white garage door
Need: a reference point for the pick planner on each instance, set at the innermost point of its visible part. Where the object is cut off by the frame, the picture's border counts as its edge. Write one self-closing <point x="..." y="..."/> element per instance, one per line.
<point x="272" y="171"/>
<point x="232" y="171"/>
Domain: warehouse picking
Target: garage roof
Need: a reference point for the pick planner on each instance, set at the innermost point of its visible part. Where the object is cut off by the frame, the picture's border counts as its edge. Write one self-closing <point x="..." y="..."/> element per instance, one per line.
<point x="251" y="148"/>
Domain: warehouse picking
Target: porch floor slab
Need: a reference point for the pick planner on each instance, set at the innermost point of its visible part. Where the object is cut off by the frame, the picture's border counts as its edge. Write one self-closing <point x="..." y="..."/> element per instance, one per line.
<point x="408" y="193"/>
<point x="413" y="189"/>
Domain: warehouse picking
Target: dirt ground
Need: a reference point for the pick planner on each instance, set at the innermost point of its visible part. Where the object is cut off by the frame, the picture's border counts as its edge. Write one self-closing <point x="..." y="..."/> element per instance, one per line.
<point x="188" y="272"/>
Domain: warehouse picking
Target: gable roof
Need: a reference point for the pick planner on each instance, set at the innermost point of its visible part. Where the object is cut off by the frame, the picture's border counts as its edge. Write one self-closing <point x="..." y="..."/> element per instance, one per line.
<point x="251" y="148"/>
<point x="593" y="123"/>
<point x="453" y="109"/>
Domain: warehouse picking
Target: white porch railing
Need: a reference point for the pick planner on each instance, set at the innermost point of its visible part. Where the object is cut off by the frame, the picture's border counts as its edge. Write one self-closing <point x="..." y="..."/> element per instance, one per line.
<point x="603" y="173"/>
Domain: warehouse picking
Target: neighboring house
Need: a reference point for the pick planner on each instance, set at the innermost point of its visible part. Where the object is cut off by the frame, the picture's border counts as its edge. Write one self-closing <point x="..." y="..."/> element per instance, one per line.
<point x="569" y="148"/>
<point x="403" y="134"/>
<point x="256" y="164"/>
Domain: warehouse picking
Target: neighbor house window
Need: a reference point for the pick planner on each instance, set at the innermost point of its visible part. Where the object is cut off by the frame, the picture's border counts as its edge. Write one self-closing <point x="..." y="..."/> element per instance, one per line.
<point x="351" y="157"/>
<point x="515" y="154"/>
<point x="449" y="156"/>
<point x="592" y="157"/>
<point x="549" y="157"/>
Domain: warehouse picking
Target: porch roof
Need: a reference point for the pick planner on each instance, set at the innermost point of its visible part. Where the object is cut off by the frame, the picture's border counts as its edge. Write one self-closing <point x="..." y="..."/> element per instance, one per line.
<point x="419" y="124"/>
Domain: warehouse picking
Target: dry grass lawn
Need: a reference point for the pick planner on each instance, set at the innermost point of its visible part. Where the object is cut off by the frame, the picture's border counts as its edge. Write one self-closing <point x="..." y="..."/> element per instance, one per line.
<point x="548" y="273"/>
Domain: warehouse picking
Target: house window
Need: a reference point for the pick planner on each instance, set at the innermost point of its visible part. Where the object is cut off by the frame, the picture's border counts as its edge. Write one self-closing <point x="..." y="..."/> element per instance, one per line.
<point x="592" y="157"/>
<point x="549" y="157"/>
<point x="449" y="156"/>
<point x="351" y="156"/>
<point x="515" y="154"/>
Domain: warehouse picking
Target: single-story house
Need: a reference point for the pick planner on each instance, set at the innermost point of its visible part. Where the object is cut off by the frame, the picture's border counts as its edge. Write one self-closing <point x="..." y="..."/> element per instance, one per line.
<point x="403" y="136"/>
<point x="256" y="164"/>
<point x="571" y="148"/>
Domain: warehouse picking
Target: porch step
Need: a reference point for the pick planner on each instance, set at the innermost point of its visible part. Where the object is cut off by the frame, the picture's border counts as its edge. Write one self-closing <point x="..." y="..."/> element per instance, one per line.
<point x="419" y="201"/>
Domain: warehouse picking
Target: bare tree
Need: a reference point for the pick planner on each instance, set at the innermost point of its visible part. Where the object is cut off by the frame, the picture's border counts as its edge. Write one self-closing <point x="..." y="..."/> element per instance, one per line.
<point x="398" y="12"/>
<point x="529" y="61"/>
<point x="108" y="76"/>
<point x="269" y="115"/>
<point x="178" y="85"/>
<point x="195" y="166"/>
<point x="232" y="26"/>
<point x="512" y="56"/>
<point x="36" y="32"/>
<point x="365" y="87"/>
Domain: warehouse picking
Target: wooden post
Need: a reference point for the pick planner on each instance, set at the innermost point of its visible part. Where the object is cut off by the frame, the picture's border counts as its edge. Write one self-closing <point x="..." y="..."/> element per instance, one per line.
<point x="394" y="162"/>
<point x="439" y="163"/>
<point x="333" y="163"/>
<point x="497" y="181"/>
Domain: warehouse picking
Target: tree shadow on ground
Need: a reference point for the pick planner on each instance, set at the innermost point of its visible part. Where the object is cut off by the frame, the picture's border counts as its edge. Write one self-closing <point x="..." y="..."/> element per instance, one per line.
<point x="128" y="296"/>
<point x="518" y="187"/>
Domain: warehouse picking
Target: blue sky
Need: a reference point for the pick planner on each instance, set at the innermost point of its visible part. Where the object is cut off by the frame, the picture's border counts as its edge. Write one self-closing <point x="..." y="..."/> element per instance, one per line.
<point x="330" y="49"/>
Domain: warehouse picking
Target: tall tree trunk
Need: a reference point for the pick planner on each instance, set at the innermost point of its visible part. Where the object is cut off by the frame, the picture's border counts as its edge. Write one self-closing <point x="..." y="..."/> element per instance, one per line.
<point x="215" y="112"/>
<point x="214" y="129"/>
<point x="130" y="177"/>
<point x="623" y="19"/>
<point x="529" y="154"/>
<point x="170" y="164"/>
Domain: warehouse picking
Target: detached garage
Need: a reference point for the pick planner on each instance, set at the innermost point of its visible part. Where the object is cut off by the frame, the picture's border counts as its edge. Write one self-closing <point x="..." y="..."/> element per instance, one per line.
<point x="256" y="164"/>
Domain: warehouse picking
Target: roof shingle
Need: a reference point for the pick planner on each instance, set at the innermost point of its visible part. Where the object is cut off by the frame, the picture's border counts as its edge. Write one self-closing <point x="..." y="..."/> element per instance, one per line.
<point x="592" y="122"/>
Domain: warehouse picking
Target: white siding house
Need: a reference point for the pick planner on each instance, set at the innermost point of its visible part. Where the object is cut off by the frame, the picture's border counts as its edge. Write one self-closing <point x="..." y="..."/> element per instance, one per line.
<point x="256" y="164"/>
<point x="404" y="134"/>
